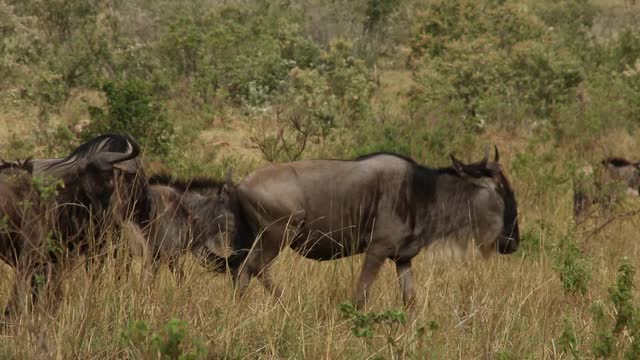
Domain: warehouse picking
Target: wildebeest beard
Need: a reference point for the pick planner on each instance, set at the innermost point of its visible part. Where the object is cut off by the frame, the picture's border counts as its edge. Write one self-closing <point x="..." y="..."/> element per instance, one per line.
<point x="510" y="237"/>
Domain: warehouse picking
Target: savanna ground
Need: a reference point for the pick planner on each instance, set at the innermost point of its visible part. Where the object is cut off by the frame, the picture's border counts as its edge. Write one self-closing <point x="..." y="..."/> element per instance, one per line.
<point x="208" y="85"/>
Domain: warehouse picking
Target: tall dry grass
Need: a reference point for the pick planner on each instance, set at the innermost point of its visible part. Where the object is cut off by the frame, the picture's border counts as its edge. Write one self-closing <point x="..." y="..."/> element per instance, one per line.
<point x="505" y="307"/>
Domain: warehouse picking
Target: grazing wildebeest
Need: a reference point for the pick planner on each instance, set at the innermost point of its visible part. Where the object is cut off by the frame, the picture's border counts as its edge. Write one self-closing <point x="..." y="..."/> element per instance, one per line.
<point x="196" y="215"/>
<point x="591" y="187"/>
<point x="43" y="224"/>
<point x="383" y="205"/>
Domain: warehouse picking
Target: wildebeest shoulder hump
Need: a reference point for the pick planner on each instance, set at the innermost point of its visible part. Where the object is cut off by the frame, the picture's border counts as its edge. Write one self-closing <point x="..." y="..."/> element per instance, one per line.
<point x="385" y="153"/>
<point x="617" y="161"/>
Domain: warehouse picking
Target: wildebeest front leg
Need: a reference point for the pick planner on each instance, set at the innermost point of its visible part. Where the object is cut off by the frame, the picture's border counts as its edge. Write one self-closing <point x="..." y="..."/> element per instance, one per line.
<point x="372" y="264"/>
<point x="405" y="277"/>
<point x="259" y="261"/>
<point x="259" y="267"/>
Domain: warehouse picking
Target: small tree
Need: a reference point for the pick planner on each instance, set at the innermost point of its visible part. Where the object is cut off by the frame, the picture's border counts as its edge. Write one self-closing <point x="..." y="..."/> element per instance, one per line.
<point x="131" y="109"/>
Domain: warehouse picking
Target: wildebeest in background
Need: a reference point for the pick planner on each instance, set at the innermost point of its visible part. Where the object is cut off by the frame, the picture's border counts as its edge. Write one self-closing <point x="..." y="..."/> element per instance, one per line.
<point x="602" y="185"/>
<point x="383" y="205"/>
<point x="196" y="215"/>
<point x="42" y="222"/>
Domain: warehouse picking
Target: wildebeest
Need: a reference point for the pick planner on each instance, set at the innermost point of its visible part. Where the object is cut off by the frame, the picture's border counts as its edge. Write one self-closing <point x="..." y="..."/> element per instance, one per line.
<point x="598" y="185"/>
<point x="165" y="216"/>
<point x="196" y="215"/>
<point x="45" y="221"/>
<point x="131" y="183"/>
<point x="384" y="205"/>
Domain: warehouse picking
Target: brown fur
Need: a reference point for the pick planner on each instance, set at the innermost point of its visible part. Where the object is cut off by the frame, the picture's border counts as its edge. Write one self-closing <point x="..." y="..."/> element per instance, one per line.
<point x="195" y="215"/>
<point x="40" y="231"/>
<point x="383" y="205"/>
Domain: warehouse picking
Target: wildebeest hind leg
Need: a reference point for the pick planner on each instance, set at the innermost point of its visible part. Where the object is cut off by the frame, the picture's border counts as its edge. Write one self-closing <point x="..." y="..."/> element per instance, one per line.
<point x="372" y="264"/>
<point x="405" y="278"/>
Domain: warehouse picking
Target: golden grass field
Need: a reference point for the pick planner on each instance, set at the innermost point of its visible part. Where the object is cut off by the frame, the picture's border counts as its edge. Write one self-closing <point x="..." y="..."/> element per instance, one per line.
<point x="506" y="307"/>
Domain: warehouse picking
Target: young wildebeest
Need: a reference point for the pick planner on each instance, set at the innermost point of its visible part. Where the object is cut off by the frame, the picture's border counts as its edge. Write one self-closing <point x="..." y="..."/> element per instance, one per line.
<point x="196" y="215"/>
<point x="591" y="187"/>
<point x="42" y="225"/>
<point x="383" y="205"/>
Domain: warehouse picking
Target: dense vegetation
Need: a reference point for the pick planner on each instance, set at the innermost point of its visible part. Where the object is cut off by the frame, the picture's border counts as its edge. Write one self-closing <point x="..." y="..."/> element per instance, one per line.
<point x="208" y="85"/>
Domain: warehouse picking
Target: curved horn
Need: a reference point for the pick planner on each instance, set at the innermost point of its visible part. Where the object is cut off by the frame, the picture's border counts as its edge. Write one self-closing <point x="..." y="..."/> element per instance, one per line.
<point x="116" y="157"/>
<point x="496" y="153"/>
<point x="485" y="158"/>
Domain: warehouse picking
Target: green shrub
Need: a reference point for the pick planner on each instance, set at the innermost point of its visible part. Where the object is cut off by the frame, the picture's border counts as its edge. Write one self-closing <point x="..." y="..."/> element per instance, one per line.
<point x="621" y="296"/>
<point x="535" y="239"/>
<point x="568" y="341"/>
<point x="482" y="54"/>
<point x="171" y="343"/>
<point x="624" y="335"/>
<point x="572" y="266"/>
<point x="367" y="326"/>
<point x="570" y="19"/>
<point x="348" y="79"/>
<point x="132" y="109"/>
<point x="604" y="344"/>
<point x="625" y="49"/>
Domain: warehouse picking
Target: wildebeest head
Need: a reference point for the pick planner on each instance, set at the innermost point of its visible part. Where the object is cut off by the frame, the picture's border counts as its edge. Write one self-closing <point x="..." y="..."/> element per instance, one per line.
<point x="211" y="207"/>
<point x="92" y="178"/>
<point x="490" y="175"/>
<point x="214" y="217"/>
<point x="620" y="169"/>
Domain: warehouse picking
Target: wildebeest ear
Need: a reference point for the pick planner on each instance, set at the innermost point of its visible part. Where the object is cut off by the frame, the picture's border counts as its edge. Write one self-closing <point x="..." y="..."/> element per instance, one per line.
<point x="458" y="166"/>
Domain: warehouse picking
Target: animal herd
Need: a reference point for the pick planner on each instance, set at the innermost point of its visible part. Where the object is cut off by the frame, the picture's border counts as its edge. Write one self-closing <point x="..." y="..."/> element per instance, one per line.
<point x="382" y="205"/>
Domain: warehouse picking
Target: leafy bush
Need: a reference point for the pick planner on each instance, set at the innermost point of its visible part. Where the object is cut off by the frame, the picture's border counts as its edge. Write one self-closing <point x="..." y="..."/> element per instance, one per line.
<point x="625" y="50"/>
<point x="367" y="325"/>
<point x="568" y="341"/>
<point x="348" y="78"/>
<point x="572" y="266"/>
<point x="480" y="54"/>
<point x="610" y="341"/>
<point x="536" y="238"/>
<point x="570" y="19"/>
<point x="131" y="109"/>
<point x="171" y="343"/>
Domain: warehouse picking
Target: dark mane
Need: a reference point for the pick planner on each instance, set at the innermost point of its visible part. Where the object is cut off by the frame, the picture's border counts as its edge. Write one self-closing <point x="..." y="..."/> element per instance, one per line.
<point x="381" y="153"/>
<point x="474" y="169"/>
<point x="197" y="183"/>
<point x="617" y="161"/>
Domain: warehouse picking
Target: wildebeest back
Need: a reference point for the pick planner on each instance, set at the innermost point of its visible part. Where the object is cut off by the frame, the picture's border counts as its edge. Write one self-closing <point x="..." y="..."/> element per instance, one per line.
<point x="333" y="203"/>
